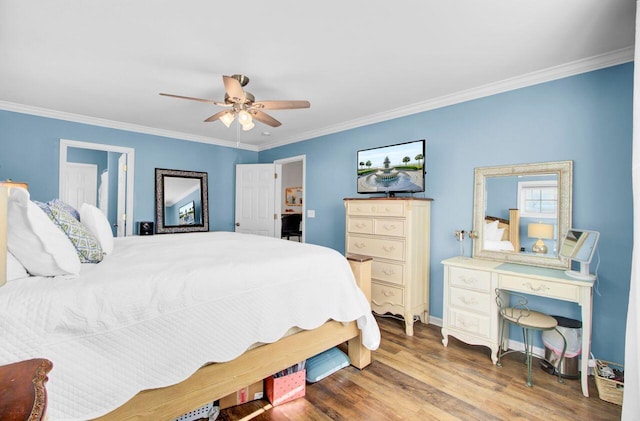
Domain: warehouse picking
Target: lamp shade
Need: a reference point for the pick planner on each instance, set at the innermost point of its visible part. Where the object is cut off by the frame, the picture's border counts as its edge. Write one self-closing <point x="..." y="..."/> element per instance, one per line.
<point x="539" y="230"/>
<point x="227" y="118"/>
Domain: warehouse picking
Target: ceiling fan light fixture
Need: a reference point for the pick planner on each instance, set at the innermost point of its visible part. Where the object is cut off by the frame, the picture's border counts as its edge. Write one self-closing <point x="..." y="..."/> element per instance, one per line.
<point x="248" y="126"/>
<point x="244" y="117"/>
<point x="227" y="119"/>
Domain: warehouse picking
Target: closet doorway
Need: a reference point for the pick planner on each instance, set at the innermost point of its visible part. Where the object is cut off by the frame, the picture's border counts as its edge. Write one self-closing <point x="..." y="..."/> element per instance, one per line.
<point x="292" y="202"/>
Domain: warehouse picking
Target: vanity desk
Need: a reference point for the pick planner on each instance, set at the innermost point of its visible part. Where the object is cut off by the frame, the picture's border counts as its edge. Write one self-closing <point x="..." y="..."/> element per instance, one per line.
<point x="470" y="311"/>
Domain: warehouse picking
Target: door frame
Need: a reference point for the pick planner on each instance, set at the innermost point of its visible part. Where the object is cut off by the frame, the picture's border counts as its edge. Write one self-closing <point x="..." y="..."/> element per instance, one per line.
<point x="278" y="209"/>
<point x="129" y="152"/>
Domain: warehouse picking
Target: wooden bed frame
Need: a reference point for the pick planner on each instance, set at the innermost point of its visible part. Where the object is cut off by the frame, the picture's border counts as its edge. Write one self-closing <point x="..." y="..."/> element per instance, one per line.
<point x="215" y="381"/>
<point x="511" y="227"/>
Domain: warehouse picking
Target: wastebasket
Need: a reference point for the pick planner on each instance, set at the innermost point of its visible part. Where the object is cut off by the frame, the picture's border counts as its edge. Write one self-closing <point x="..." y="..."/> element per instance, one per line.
<point x="572" y="331"/>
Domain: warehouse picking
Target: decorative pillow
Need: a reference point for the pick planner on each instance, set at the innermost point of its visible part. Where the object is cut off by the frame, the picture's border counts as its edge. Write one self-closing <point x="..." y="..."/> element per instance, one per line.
<point x="67" y="207"/>
<point x="35" y="241"/>
<point x="15" y="270"/>
<point x="87" y="245"/>
<point x="98" y="224"/>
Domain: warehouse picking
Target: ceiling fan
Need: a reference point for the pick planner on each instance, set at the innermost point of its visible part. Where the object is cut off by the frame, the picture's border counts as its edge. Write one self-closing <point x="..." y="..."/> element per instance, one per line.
<point x="243" y="104"/>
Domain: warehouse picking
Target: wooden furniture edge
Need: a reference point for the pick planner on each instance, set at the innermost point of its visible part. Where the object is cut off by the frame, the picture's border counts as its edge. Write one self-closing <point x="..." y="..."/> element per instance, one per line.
<point x="215" y="381"/>
<point x="3" y="234"/>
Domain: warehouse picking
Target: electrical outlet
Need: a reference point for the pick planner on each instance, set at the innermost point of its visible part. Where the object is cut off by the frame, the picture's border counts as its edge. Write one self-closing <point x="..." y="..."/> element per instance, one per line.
<point x="311" y="213"/>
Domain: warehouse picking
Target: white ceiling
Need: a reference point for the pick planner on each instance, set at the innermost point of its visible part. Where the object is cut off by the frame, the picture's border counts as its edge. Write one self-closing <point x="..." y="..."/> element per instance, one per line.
<point x="357" y="62"/>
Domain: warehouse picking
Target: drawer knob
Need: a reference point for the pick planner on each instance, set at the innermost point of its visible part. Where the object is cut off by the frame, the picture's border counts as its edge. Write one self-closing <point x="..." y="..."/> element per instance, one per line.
<point x="537" y="289"/>
<point x="389" y="227"/>
<point x="468" y="281"/>
<point x="468" y="301"/>
<point x="468" y="323"/>
<point x="360" y="245"/>
<point x="388" y="248"/>
<point x="360" y="225"/>
<point x="387" y="293"/>
<point x="388" y="272"/>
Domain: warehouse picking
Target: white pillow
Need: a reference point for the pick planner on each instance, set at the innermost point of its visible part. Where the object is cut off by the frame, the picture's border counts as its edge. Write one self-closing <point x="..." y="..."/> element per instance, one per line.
<point x="15" y="270"/>
<point x="41" y="247"/>
<point x="491" y="231"/>
<point x="98" y="224"/>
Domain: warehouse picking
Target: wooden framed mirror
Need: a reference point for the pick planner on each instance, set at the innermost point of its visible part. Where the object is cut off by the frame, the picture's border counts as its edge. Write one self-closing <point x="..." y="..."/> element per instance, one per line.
<point x="522" y="212"/>
<point x="182" y="203"/>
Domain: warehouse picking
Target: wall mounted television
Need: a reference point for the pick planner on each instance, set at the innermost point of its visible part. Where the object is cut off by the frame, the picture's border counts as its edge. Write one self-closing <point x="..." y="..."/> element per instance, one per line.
<point x="392" y="169"/>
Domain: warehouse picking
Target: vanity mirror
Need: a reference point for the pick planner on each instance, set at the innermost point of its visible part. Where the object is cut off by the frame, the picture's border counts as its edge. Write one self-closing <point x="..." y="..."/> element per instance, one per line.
<point x="182" y="203"/>
<point x="521" y="212"/>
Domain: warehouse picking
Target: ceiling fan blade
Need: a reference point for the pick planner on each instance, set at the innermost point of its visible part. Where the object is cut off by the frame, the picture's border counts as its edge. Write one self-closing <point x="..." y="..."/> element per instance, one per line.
<point x="234" y="89"/>
<point x="208" y="101"/>
<point x="265" y="118"/>
<point x="281" y="105"/>
<point x="216" y="116"/>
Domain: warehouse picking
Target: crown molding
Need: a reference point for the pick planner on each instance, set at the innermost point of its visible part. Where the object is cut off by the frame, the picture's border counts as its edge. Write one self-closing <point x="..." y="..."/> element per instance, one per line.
<point x="77" y="118"/>
<point x="573" y="68"/>
<point x="601" y="61"/>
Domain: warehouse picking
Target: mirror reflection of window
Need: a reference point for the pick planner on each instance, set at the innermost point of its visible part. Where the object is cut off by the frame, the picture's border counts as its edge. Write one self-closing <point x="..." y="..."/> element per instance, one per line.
<point x="538" y="198"/>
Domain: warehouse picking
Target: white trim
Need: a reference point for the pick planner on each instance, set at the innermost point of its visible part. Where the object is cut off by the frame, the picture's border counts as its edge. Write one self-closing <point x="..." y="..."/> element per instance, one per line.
<point x="94" y="121"/>
<point x="289" y="160"/>
<point x="130" y="152"/>
<point x="602" y="61"/>
<point x="436" y="321"/>
<point x="612" y="58"/>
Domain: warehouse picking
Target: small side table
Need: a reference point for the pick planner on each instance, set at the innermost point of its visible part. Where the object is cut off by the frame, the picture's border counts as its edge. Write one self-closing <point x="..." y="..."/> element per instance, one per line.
<point x="23" y="396"/>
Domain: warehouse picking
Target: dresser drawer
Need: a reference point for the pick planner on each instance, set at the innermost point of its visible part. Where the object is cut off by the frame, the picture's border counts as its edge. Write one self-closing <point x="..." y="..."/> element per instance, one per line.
<point x="375" y="208"/>
<point x="389" y="272"/>
<point x="540" y="287"/>
<point x="469" y="278"/>
<point x="376" y="247"/>
<point x="360" y="225"/>
<point x="469" y="322"/>
<point x="393" y="227"/>
<point x="385" y="294"/>
<point x="470" y="300"/>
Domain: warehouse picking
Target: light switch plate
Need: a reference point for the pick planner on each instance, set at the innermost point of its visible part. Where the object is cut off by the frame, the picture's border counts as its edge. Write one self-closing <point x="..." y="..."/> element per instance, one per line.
<point x="311" y="213"/>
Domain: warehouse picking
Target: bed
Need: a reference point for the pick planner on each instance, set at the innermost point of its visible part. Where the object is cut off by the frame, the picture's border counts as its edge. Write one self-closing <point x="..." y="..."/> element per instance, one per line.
<point x="502" y="234"/>
<point x="165" y="324"/>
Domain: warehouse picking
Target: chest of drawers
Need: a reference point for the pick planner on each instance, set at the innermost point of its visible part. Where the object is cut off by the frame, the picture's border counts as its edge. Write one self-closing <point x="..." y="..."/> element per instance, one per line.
<point x="395" y="233"/>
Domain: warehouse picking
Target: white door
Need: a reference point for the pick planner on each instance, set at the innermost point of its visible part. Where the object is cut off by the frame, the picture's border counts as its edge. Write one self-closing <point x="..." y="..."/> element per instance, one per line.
<point x="79" y="184"/>
<point x="255" y="199"/>
<point x="122" y="192"/>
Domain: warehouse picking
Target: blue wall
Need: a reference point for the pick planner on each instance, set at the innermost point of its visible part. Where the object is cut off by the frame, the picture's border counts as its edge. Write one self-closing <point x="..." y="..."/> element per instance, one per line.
<point x="585" y="118"/>
<point x="30" y="150"/>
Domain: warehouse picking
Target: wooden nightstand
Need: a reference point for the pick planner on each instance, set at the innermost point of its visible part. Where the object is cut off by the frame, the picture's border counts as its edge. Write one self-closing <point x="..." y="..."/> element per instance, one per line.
<point x="22" y="393"/>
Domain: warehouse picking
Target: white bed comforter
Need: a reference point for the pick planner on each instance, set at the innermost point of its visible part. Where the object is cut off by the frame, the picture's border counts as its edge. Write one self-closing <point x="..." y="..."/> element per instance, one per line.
<point x="160" y="307"/>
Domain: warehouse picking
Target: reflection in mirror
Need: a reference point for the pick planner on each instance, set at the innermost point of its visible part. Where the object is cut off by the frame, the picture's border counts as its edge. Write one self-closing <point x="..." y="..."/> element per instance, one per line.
<point x="522" y="211"/>
<point x="181" y="201"/>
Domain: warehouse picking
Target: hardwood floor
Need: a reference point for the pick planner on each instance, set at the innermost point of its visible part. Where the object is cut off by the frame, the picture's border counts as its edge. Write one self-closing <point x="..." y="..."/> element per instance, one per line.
<point x="416" y="378"/>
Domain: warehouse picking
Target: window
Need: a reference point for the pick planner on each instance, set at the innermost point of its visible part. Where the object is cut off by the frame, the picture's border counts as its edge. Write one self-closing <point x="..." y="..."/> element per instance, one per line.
<point x="538" y="199"/>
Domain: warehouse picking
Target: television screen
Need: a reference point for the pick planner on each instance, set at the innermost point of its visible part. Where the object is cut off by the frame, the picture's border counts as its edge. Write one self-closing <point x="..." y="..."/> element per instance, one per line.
<point x="187" y="214"/>
<point x="392" y="169"/>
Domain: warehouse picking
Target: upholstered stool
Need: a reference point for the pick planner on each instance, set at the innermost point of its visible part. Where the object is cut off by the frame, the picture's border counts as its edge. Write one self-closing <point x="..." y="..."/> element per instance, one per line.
<point x="529" y="320"/>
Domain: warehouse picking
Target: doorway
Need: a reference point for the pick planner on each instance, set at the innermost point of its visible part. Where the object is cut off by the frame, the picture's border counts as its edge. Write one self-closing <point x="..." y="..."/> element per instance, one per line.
<point x="115" y="198"/>
<point x="292" y="192"/>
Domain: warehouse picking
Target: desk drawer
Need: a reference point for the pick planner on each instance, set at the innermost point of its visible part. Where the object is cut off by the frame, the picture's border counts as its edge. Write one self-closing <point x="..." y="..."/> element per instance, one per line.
<point x="541" y="287"/>
<point x="469" y="278"/>
<point x="375" y="208"/>
<point x="376" y="247"/>
<point x="393" y="227"/>
<point x="385" y="294"/>
<point x="470" y="300"/>
<point x="470" y="322"/>
<point x="360" y="225"/>
<point x="389" y="272"/>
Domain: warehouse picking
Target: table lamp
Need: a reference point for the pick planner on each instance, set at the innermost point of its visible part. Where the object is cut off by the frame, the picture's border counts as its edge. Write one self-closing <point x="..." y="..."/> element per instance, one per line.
<point x="540" y="231"/>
